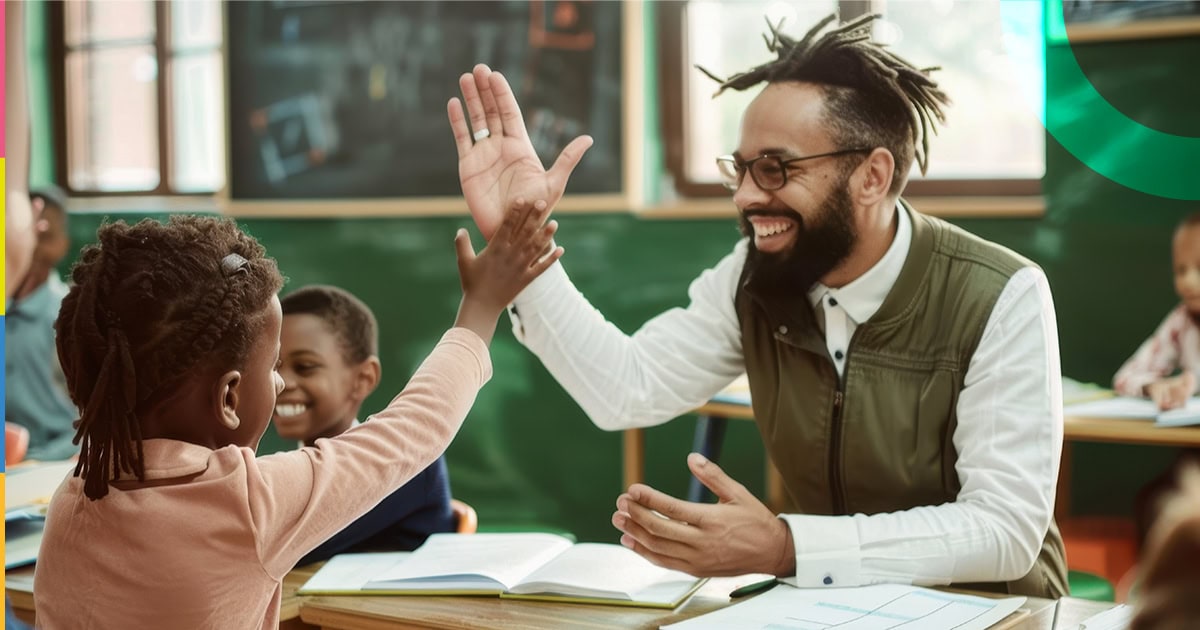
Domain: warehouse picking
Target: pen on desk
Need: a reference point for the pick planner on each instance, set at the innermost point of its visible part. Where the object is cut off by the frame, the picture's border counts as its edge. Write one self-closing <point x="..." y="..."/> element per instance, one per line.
<point x="1054" y="623"/>
<point x="752" y="588"/>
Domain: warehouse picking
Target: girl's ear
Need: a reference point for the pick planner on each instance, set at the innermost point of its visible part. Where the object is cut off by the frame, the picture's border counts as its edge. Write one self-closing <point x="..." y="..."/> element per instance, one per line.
<point x="366" y="377"/>
<point x="226" y="400"/>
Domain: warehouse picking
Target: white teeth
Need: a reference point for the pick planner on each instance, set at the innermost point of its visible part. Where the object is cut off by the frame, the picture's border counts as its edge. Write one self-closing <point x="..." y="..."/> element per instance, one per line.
<point x="770" y="229"/>
<point x="287" y="411"/>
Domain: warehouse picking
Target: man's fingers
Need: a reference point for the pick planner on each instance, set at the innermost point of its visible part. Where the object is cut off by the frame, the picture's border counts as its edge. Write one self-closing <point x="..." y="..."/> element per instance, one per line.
<point x="510" y="112"/>
<point x="710" y="474"/>
<point x="661" y="560"/>
<point x="458" y="125"/>
<point x="567" y="161"/>
<point x="660" y="544"/>
<point x="491" y="110"/>
<point x="666" y="505"/>
<point x="470" y="91"/>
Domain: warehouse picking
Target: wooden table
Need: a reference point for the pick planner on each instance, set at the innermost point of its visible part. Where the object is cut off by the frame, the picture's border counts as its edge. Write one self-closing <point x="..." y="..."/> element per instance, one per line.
<point x="390" y="612"/>
<point x="487" y="613"/>
<point x="1075" y="429"/>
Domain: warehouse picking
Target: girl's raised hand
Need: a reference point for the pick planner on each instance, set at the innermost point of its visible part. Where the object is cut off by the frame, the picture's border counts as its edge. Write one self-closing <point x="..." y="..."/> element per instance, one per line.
<point x="518" y="252"/>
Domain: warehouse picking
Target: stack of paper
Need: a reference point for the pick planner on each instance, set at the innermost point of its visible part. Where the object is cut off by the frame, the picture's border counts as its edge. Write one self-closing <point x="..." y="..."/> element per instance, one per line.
<point x="877" y="607"/>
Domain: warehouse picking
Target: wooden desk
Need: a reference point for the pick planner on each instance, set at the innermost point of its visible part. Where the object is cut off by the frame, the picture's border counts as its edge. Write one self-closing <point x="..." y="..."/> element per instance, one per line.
<point x="487" y="613"/>
<point x="18" y="586"/>
<point x="1075" y="429"/>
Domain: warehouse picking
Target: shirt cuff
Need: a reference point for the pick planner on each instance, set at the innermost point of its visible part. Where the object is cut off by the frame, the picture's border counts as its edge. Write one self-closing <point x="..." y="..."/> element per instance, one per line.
<point x="524" y="304"/>
<point x="828" y="552"/>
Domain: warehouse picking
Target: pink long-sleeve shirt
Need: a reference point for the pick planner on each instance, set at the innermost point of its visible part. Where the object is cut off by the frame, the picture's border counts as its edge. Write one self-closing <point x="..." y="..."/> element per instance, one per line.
<point x="206" y="540"/>
<point x="1175" y="345"/>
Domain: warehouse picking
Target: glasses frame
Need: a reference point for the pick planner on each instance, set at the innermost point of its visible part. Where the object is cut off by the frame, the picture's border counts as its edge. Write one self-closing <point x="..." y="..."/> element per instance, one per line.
<point x="741" y="167"/>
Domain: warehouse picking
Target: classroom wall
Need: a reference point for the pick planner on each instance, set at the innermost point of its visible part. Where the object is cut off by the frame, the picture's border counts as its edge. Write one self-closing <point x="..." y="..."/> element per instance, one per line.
<point x="527" y="455"/>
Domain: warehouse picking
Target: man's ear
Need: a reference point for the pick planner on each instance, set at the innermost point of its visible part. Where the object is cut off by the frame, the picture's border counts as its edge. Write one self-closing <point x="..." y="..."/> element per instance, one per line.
<point x="226" y="399"/>
<point x="873" y="178"/>
<point x="366" y="378"/>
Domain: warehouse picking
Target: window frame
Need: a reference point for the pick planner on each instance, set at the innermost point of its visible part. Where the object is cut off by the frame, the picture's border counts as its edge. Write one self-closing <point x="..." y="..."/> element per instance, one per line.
<point x="671" y="27"/>
<point x="164" y="58"/>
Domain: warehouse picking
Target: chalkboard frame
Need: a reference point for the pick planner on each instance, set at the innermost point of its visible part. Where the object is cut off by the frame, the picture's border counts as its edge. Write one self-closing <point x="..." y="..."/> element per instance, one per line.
<point x="1084" y="30"/>
<point x="630" y="197"/>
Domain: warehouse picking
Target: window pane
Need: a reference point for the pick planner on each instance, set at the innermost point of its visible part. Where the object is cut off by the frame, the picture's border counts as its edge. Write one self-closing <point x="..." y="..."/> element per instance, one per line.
<point x="723" y="37"/>
<point x="198" y="122"/>
<point x="100" y="22"/>
<point x="195" y="24"/>
<point x="112" y="119"/>
<point x="992" y="130"/>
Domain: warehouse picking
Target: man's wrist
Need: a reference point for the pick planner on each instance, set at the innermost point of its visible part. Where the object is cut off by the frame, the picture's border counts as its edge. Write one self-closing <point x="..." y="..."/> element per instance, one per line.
<point x="786" y="565"/>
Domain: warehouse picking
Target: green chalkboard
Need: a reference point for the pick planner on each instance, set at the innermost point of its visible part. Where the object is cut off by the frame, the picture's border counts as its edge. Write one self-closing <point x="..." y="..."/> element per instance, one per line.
<point x="347" y="100"/>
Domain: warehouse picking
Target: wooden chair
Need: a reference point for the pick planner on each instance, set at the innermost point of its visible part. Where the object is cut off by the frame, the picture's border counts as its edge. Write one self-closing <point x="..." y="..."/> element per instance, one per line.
<point x="468" y="520"/>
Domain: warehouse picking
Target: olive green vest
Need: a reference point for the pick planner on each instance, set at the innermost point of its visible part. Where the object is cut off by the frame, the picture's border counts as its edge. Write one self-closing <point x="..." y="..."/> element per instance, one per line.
<point x="883" y="442"/>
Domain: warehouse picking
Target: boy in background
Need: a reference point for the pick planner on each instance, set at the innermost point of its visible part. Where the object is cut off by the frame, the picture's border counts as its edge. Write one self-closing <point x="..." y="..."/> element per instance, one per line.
<point x="37" y="390"/>
<point x="1174" y="347"/>
<point x="329" y="365"/>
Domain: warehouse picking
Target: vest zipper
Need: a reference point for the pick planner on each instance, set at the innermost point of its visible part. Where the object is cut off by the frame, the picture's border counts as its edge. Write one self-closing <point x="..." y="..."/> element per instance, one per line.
<point x="835" y="451"/>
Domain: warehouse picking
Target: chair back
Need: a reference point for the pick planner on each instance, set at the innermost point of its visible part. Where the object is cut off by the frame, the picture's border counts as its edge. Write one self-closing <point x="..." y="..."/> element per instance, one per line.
<point x="468" y="520"/>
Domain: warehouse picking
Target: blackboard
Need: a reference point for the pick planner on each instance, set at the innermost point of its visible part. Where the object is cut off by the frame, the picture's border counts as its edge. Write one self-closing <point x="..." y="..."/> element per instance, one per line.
<point x="347" y="100"/>
<point x="1120" y="11"/>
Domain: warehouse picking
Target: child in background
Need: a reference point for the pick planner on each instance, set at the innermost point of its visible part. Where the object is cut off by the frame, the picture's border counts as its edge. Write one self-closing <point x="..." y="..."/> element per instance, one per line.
<point x="37" y="396"/>
<point x="1175" y="346"/>
<point x="169" y="340"/>
<point x="329" y="363"/>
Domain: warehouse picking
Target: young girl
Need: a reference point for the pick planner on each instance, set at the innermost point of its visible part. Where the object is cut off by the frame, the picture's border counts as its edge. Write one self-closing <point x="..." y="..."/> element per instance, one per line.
<point x="169" y="341"/>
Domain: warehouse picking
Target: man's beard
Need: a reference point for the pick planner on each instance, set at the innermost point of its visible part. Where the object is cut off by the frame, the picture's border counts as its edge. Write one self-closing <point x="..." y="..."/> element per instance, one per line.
<point x="819" y="246"/>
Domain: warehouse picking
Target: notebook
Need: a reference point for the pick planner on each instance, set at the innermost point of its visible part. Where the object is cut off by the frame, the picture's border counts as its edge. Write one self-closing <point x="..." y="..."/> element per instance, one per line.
<point x="1138" y="409"/>
<point x="510" y="565"/>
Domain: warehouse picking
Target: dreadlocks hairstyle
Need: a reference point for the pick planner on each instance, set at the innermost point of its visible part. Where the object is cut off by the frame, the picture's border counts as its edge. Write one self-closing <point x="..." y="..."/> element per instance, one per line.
<point x="872" y="97"/>
<point x="350" y="320"/>
<point x="151" y="303"/>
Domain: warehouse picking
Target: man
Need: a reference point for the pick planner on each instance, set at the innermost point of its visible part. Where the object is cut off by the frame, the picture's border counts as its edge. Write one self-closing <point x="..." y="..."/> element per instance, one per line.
<point x="37" y="393"/>
<point x="905" y="374"/>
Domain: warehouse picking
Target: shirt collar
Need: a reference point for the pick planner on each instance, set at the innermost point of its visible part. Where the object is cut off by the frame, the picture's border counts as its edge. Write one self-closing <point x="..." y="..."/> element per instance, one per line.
<point x="863" y="297"/>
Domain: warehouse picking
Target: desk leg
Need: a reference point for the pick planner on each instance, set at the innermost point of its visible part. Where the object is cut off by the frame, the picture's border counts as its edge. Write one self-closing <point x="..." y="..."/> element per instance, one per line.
<point x="634" y="456"/>
<point x="1062" y="499"/>
<point x="710" y="434"/>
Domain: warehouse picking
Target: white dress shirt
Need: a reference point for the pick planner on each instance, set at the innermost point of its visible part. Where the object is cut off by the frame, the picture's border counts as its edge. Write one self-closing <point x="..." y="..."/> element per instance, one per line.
<point x="1008" y="436"/>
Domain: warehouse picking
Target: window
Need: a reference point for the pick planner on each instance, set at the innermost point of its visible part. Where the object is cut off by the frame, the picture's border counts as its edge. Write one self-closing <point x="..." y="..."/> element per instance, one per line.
<point x="141" y="98"/>
<point x="992" y="142"/>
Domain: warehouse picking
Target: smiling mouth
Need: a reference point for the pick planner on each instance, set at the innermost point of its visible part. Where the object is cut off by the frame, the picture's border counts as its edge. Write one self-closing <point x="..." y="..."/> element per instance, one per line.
<point x="289" y="411"/>
<point x="764" y="228"/>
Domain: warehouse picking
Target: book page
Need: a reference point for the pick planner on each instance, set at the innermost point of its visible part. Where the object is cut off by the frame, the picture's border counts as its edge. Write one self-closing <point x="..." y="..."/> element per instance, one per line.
<point x="350" y="572"/>
<point x="607" y="572"/>
<point x="459" y="561"/>
<point x="876" y="607"/>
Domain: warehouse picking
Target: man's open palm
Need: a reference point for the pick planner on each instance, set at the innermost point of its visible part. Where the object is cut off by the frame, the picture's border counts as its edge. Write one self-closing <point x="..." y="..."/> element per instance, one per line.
<point x="497" y="163"/>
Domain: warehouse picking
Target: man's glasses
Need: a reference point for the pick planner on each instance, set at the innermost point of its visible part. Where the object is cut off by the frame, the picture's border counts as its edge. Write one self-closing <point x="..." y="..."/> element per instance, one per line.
<point x="769" y="172"/>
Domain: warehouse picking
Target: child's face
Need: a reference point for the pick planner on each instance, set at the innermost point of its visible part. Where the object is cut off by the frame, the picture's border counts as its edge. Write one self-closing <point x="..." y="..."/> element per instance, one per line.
<point x="319" y="397"/>
<point x="260" y="382"/>
<point x="1185" y="252"/>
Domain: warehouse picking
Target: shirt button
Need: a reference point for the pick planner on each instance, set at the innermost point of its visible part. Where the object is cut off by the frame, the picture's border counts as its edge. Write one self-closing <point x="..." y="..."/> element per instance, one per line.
<point x="828" y="580"/>
<point x="832" y="301"/>
<point x="783" y="330"/>
<point x="838" y="355"/>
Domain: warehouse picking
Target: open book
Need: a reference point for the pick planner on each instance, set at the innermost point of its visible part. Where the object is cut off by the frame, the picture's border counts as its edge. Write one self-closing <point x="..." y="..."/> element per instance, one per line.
<point x="1137" y="409"/>
<point x="522" y="566"/>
